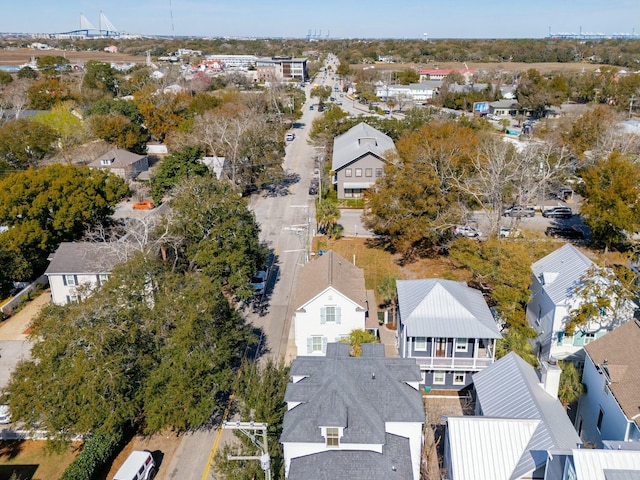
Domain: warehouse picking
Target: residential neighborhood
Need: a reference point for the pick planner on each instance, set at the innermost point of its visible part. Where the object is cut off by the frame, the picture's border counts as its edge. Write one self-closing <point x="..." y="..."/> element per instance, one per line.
<point x="316" y="258"/>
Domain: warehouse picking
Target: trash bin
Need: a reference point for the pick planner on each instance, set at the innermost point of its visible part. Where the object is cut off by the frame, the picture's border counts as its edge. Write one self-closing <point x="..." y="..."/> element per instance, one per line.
<point x="427" y="389"/>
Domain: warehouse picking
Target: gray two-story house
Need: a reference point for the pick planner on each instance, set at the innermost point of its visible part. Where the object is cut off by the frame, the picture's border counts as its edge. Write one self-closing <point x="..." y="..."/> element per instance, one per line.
<point x="358" y="159"/>
<point x="447" y="328"/>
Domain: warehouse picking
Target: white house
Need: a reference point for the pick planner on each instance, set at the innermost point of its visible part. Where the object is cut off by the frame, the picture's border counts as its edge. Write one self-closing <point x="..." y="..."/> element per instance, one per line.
<point x="415" y="92"/>
<point x="76" y="268"/>
<point x="359" y="418"/>
<point x="331" y="301"/>
<point x="518" y="421"/>
<point x="610" y="408"/>
<point x="553" y="297"/>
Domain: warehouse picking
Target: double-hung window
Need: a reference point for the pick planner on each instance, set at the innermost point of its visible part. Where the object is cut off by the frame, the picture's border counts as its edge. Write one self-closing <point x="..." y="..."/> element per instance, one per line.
<point x="333" y="437"/>
<point x="420" y="344"/>
<point x="70" y="280"/>
<point x="462" y="345"/>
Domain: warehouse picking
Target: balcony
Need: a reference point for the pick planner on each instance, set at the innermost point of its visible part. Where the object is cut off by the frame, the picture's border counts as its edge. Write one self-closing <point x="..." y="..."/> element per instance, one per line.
<point x="453" y="363"/>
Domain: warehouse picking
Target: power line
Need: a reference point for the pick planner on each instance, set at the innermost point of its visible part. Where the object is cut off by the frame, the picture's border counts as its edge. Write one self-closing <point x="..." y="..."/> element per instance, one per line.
<point x="173" y="30"/>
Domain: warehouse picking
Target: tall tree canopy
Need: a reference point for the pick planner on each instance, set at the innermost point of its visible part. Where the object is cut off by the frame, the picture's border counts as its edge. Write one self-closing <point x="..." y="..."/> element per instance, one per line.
<point x="611" y="190"/>
<point x="54" y="204"/>
<point x="217" y="233"/>
<point x="184" y="163"/>
<point x="24" y="143"/>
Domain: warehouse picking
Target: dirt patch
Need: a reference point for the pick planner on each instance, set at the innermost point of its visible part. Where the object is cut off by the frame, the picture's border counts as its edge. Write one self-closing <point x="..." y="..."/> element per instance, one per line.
<point x="19" y="56"/>
<point x="30" y="460"/>
<point x="162" y="446"/>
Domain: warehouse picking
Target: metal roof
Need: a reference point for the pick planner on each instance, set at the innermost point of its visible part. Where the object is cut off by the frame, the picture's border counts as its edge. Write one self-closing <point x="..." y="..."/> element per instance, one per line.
<point x="484" y="448"/>
<point x="598" y="464"/>
<point x="510" y="388"/>
<point x="357" y="142"/>
<point x="560" y="272"/>
<point x="443" y="308"/>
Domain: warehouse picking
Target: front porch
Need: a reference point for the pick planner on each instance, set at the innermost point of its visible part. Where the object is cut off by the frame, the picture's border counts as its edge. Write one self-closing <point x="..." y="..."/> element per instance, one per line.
<point x="453" y="363"/>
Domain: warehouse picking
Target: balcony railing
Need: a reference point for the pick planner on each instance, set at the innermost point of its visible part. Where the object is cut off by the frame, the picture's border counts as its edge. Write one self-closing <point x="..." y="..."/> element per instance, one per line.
<point x="454" y="363"/>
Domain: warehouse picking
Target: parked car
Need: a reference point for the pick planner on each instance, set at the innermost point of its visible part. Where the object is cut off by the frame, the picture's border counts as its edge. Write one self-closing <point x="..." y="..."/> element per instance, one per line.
<point x="143" y="205"/>
<point x="558" y="212"/>
<point x="139" y="465"/>
<point x="311" y="107"/>
<point x="517" y="211"/>
<point x="313" y="186"/>
<point x="5" y="415"/>
<point x="289" y="137"/>
<point x="572" y="233"/>
<point x="509" y="232"/>
<point x="259" y="282"/>
<point x="466" y="231"/>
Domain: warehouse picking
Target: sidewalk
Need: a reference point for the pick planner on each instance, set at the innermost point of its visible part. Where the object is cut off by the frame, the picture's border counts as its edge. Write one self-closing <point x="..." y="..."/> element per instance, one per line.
<point x="16" y="326"/>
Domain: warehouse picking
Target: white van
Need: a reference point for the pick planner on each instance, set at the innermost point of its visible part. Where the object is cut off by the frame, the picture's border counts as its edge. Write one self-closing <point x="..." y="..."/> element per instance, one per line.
<point x="138" y="466"/>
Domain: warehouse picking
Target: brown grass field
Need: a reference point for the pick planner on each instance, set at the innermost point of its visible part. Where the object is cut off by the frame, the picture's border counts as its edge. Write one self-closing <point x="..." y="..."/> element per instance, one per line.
<point x="19" y="56"/>
<point x="498" y="66"/>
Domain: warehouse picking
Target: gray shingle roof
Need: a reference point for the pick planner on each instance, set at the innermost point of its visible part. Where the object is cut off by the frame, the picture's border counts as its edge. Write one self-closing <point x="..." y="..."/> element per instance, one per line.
<point x="330" y="270"/>
<point x="357" y="142"/>
<point x="393" y="463"/>
<point x="118" y="158"/>
<point x="510" y="388"/>
<point x="621" y="349"/>
<point x="84" y="258"/>
<point x="444" y="308"/>
<point x="361" y="393"/>
<point x="560" y="271"/>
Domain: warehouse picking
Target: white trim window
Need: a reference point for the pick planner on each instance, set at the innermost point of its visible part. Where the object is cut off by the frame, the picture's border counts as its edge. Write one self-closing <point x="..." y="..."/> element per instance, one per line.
<point x="439" y="377"/>
<point x="589" y="337"/>
<point x="462" y="344"/>
<point x="420" y="344"/>
<point x="330" y="314"/>
<point x="333" y="437"/>
<point x="102" y="278"/>
<point x="70" y="280"/>
<point x="459" y="378"/>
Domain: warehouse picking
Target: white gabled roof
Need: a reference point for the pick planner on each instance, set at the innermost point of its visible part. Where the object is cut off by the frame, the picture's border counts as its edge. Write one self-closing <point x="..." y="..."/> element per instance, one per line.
<point x="597" y="464"/>
<point x="560" y="271"/>
<point x="444" y="308"/>
<point x="485" y="448"/>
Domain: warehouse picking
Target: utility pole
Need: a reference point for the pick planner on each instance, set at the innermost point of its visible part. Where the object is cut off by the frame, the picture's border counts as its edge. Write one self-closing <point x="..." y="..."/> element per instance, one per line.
<point x="249" y="429"/>
<point x="631" y="104"/>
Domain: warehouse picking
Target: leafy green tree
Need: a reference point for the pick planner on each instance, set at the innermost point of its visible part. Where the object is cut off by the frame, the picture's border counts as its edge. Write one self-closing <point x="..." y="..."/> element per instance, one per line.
<point x="54" y="204"/>
<point x="27" y="72"/>
<point x="407" y="76"/>
<point x="322" y="93"/>
<point x="327" y="216"/>
<point x="196" y="371"/>
<point x="517" y="340"/>
<point x="120" y="131"/>
<point x="184" y="163"/>
<point x="357" y="338"/>
<point x="611" y="189"/>
<point x="533" y="92"/>
<point x="218" y="234"/>
<point x="571" y="388"/>
<point x="589" y="130"/>
<point x="100" y="76"/>
<point x="5" y="78"/>
<point x="24" y="143"/>
<point x="68" y="127"/>
<point x="503" y="269"/>
<point x="46" y="92"/>
<point x="52" y="66"/>
<point x="260" y="394"/>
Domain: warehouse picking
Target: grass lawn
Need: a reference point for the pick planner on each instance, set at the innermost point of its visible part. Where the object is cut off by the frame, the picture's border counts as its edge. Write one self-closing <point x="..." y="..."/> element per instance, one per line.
<point x="30" y="460"/>
<point x="378" y="263"/>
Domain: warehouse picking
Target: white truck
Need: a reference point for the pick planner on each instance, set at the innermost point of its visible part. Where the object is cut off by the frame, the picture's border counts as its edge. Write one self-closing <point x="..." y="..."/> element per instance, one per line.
<point x="138" y="466"/>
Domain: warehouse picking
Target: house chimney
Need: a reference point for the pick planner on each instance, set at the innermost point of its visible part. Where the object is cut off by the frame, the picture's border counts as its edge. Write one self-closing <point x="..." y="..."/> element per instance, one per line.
<point x="550" y="376"/>
<point x="373" y="375"/>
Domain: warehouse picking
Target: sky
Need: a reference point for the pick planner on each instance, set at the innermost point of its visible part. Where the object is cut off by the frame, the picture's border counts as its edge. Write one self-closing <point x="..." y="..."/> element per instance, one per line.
<point x="333" y="18"/>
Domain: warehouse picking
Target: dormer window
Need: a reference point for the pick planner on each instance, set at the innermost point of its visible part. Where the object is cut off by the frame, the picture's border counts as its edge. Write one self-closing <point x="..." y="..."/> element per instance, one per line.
<point x="333" y="437"/>
<point x="105" y="161"/>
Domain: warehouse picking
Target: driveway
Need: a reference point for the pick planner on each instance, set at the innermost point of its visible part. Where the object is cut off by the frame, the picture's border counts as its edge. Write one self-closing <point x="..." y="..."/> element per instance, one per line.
<point x="14" y="343"/>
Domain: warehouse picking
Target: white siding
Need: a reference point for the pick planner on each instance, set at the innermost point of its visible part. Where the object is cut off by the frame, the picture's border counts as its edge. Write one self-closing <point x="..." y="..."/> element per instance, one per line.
<point x="60" y="291"/>
<point x="308" y="323"/>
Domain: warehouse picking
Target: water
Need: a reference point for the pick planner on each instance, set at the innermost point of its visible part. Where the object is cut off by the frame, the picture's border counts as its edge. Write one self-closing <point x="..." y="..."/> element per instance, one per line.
<point x="10" y="68"/>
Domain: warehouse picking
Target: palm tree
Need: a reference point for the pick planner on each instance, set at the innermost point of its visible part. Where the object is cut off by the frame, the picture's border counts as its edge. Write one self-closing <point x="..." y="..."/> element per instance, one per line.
<point x="387" y="290"/>
<point x="516" y="340"/>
